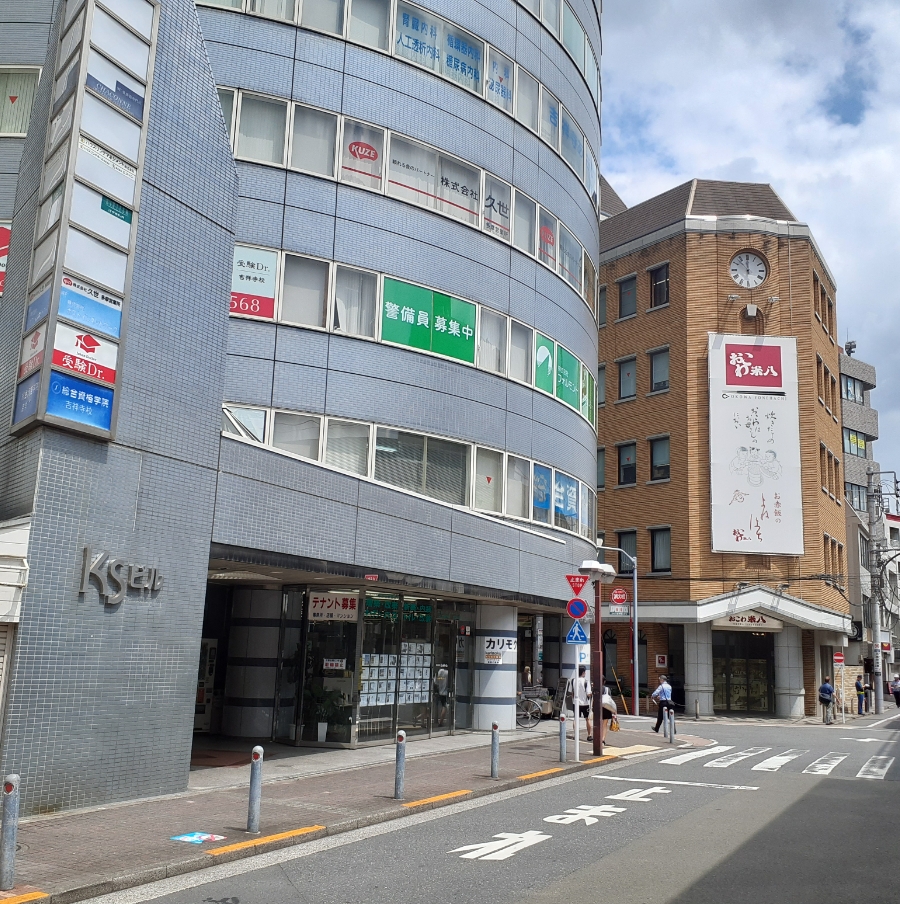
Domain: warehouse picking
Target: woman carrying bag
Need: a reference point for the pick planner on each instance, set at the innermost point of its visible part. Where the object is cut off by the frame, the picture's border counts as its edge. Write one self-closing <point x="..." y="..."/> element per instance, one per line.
<point x="609" y="715"/>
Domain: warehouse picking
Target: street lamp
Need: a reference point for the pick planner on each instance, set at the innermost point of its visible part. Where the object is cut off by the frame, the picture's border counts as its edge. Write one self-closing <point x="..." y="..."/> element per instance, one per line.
<point x="634" y="616"/>
<point x="598" y="573"/>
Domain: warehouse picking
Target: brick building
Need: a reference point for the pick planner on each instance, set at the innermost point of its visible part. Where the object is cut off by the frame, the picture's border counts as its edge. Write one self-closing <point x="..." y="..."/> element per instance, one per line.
<point x="737" y="525"/>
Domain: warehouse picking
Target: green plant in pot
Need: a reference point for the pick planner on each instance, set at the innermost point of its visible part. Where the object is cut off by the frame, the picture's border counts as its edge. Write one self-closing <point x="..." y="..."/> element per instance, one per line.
<point x="321" y="705"/>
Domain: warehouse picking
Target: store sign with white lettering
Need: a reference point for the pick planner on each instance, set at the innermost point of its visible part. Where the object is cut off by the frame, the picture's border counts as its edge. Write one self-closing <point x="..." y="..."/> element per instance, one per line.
<point x="85" y="354"/>
<point x="114" y="577"/>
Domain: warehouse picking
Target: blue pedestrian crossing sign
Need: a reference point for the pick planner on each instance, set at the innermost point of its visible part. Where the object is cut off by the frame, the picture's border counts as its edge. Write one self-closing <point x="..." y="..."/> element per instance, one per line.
<point x="576" y="634"/>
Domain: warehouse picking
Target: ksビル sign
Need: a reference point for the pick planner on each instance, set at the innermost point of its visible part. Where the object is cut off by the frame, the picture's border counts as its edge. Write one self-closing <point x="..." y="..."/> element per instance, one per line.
<point x="114" y="576"/>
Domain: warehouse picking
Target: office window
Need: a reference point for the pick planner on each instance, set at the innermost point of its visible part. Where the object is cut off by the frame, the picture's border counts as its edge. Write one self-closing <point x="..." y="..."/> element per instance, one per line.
<point x="488" y="480"/>
<point x="462" y="57"/>
<point x="362" y="154"/>
<point x="570" y="263"/>
<point x="601" y="306"/>
<point x="628" y="297"/>
<point x="528" y="100"/>
<point x="864" y="551"/>
<point x="573" y="36"/>
<point x="856" y="496"/>
<point x="661" y="549"/>
<point x="542" y="494"/>
<point x="497" y="207"/>
<point x="21" y="85"/>
<point x="419" y="37"/>
<point x="412" y="172"/>
<point x="855" y="443"/>
<point x="247" y="422"/>
<point x="823" y="464"/>
<point x="547" y="238"/>
<point x="458" y="190"/>
<point x="370" y="22"/>
<point x="550" y="15"/>
<point x="297" y="433"/>
<point x="347" y="446"/>
<point x="274" y="9"/>
<point x="399" y="459"/>
<point x="590" y="280"/>
<point x="226" y="99"/>
<point x="659" y="370"/>
<point x="355" y="302"/>
<point x="521" y="344"/>
<point x="628" y="379"/>
<point x="601" y="468"/>
<point x="565" y="501"/>
<point x="659" y="286"/>
<point x="572" y="143"/>
<point x="492" y="342"/>
<point x="659" y="458"/>
<point x="315" y="139"/>
<point x="601" y="384"/>
<point x="627" y="541"/>
<point x="518" y="486"/>
<point x="627" y="464"/>
<point x="549" y="118"/>
<point x="323" y="15"/>
<point x="261" y="129"/>
<point x="853" y="390"/>
<point x="524" y="221"/>
<point x="500" y="80"/>
<point x="447" y="471"/>
<point x="305" y="291"/>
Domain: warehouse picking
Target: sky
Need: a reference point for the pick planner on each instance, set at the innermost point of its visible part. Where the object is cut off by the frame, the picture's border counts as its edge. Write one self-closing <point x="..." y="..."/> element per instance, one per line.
<point x="802" y="94"/>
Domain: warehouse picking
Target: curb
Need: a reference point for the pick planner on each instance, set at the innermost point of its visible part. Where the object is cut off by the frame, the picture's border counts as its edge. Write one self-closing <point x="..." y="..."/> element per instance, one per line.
<point x="279" y="840"/>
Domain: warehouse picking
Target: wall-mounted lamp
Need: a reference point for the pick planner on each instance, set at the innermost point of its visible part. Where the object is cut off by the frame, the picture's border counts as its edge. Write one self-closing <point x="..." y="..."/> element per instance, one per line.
<point x="751" y="310"/>
<point x="734" y="297"/>
<point x="772" y="299"/>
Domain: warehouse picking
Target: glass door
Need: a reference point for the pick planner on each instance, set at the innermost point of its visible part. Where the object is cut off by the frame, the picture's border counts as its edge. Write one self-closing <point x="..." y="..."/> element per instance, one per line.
<point x="379" y="667"/>
<point x="416" y="663"/>
<point x="443" y="677"/>
<point x="289" y="669"/>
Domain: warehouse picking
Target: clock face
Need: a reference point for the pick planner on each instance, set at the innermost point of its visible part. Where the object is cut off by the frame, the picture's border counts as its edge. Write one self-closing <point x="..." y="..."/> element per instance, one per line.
<point x="748" y="270"/>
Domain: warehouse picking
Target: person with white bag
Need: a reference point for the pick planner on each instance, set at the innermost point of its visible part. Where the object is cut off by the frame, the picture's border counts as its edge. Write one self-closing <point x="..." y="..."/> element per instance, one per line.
<point x="608" y="713"/>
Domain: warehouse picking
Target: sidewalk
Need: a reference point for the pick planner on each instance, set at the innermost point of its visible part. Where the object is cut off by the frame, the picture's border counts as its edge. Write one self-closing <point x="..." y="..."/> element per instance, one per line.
<point x="76" y="855"/>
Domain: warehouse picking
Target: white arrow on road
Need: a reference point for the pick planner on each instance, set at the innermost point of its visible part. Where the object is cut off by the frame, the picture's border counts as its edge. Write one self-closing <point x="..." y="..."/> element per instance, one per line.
<point x="639" y="794"/>
<point x="867" y="740"/>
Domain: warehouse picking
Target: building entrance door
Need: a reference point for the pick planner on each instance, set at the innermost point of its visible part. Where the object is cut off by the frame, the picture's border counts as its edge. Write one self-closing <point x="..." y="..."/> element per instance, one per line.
<point x="743" y="671"/>
<point x="443" y="678"/>
<point x="289" y="669"/>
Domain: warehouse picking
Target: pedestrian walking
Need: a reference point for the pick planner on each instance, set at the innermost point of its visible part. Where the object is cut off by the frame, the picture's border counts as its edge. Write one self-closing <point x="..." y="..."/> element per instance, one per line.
<point x="581" y="697"/>
<point x="609" y="711"/>
<point x="895" y="690"/>
<point x="860" y="695"/>
<point x="663" y="697"/>
<point x="826" y="698"/>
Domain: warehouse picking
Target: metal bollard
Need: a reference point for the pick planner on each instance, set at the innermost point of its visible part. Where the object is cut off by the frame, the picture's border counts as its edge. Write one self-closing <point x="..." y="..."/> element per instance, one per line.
<point x="400" y="774"/>
<point x="665" y="714"/>
<point x="671" y="716"/>
<point x="256" y="761"/>
<point x="9" y="832"/>
<point x="495" y="750"/>
<point x="696" y="710"/>
<point x="562" y="737"/>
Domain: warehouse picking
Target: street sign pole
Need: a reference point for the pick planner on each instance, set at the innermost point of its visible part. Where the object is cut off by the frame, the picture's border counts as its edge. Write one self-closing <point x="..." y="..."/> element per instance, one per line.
<point x="597" y="672"/>
<point x="575" y="699"/>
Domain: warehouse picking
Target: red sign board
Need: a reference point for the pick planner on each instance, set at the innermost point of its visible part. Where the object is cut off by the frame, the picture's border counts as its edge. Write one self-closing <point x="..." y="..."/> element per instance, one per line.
<point x="618" y="596"/>
<point x="752" y="365"/>
<point x="577" y="582"/>
<point x="576" y="608"/>
<point x="838" y="658"/>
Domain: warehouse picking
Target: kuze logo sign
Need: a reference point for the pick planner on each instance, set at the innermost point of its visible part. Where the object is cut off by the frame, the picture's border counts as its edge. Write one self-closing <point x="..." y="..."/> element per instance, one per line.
<point x="362" y="151"/>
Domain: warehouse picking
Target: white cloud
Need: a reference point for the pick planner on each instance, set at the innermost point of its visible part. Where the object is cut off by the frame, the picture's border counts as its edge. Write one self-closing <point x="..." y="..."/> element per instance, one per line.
<point x="802" y="94"/>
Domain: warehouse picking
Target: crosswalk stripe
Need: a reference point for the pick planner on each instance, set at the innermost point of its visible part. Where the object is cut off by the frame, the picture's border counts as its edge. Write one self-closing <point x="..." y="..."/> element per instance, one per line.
<point x="695" y="755"/>
<point x="875" y="767"/>
<point x="774" y="763"/>
<point x="824" y="764"/>
<point x="723" y="762"/>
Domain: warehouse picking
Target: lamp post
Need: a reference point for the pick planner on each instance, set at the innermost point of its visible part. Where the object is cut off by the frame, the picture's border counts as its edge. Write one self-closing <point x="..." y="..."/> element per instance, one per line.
<point x="635" y="696"/>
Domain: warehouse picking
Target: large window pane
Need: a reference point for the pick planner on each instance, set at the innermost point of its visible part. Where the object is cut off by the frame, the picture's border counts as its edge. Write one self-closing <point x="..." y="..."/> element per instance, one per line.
<point x="347" y="446"/>
<point x="261" y="132"/>
<point x="627" y="379"/>
<point x="523" y="227"/>
<point x="591" y="178"/>
<point x="627" y="541"/>
<point x="497" y="207"/>
<point x="549" y="118"/>
<point x="492" y="342"/>
<point x="590" y="70"/>
<point x="521" y="345"/>
<point x="251" y="421"/>
<point x="420" y="36"/>
<point x="661" y="549"/>
<point x="459" y="190"/>
<point x="489" y="480"/>
<point x="362" y="155"/>
<point x="588" y="510"/>
<point x="542" y="494"/>
<point x="572" y="143"/>
<point x="315" y="135"/>
<point x="659" y="286"/>
<point x="570" y="262"/>
<point x="627" y="464"/>
<point x="355" y="297"/>
<point x="590" y="281"/>
<point x="628" y="297"/>
<point x="659" y="371"/>
<point x="226" y="99"/>
<point x="275" y="9"/>
<point x="400" y="459"/>
<point x="297" y="433"/>
<point x="447" y="471"/>
<point x="500" y="80"/>
<point x="528" y="95"/>
<point x="413" y="172"/>
<point x="601" y="385"/>
<point x="601" y="468"/>
<point x="573" y="36"/>
<point x="323" y="15"/>
<point x="20" y="84"/>
<point x="565" y="501"/>
<point x="370" y="22"/>
<point x="305" y="291"/>
<point x="550" y="15"/>
<point x="601" y="306"/>
<point x="659" y="459"/>
<point x="228" y="4"/>
<point x="533" y="6"/>
<point x="547" y="239"/>
<point x="463" y="58"/>
<point x="518" y="487"/>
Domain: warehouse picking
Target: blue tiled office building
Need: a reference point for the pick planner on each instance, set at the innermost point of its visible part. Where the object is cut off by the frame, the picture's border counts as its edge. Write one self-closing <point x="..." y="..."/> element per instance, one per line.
<point x="342" y="499"/>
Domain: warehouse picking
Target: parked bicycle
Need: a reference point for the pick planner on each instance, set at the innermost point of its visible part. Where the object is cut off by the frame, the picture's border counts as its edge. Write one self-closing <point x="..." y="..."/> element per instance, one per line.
<point x="528" y="712"/>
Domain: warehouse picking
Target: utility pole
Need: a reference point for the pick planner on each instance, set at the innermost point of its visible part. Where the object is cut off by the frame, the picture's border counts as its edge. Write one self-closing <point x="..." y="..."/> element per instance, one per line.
<point x="874" y="593"/>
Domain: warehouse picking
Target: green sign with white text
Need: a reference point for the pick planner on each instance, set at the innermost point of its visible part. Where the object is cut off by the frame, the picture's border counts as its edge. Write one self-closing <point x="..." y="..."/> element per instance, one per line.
<point x="544" y="363"/>
<point x="568" y="378"/>
<point x="588" y="395"/>
<point x="453" y="330"/>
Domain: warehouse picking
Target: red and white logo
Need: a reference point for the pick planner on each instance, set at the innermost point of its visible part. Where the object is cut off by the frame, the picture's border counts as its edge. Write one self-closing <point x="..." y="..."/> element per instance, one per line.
<point x="84" y="354"/>
<point x="86" y="343"/>
<point x="753" y="365"/>
<point x="619" y="596"/>
<point x="4" y="252"/>
<point x="32" y="356"/>
<point x="363" y="151"/>
<point x="547" y="237"/>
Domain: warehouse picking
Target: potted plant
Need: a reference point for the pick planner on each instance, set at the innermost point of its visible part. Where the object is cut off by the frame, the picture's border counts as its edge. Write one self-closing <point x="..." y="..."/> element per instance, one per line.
<point x="323" y="706"/>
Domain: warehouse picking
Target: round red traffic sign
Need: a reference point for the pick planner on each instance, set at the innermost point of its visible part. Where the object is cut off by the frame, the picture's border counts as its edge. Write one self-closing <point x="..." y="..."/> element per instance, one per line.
<point x="618" y="596"/>
<point x="838" y="658"/>
<point x="577" y="608"/>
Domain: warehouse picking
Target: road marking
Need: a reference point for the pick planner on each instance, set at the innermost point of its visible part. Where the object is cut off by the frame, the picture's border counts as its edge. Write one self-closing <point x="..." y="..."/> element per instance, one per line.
<point x="506" y="845"/>
<point x="868" y="740"/>
<point x="696" y="754"/>
<point x="665" y="781"/>
<point x="882" y="721"/>
<point x="431" y="800"/>
<point x="875" y="767"/>
<point x="602" y="759"/>
<point x="543" y="772"/>
<point x="254" y="842"/>
<point x="639" y="794"/>
<point x="723" y="762"/>
<point x="824" y="764"/>
<point x="21" y="899"/>
<point x="774" y="763"/>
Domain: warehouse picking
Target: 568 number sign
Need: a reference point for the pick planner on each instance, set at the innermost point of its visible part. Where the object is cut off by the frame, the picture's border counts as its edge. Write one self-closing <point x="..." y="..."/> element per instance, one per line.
<point x="252" y="305"/>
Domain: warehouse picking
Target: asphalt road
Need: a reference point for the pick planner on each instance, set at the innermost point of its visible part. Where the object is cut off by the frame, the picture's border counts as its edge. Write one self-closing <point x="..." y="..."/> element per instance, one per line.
<point x="774" y="813"/>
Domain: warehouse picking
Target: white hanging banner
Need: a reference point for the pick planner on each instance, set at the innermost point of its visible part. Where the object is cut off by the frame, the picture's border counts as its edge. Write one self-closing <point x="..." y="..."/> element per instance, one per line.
<point x="754" y="444"/>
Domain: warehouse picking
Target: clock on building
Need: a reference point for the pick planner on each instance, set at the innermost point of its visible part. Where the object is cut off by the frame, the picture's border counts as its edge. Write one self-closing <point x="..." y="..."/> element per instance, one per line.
<point x="748" y="270"/>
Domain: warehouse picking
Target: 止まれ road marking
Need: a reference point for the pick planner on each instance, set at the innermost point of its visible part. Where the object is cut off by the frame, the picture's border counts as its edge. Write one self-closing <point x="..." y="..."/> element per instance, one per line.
<point x="666" y="781"/>
<point x="696" y="754"/>
<point x="875" y="767"/>
<point x="774" y="763"/>
<point x="824" y="764"/>
<point x="723" y="762"/>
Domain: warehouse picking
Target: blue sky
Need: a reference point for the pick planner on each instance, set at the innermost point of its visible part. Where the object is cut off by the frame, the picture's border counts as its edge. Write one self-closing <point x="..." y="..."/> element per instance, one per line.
<point x="804" y="94"/>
